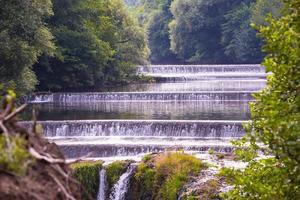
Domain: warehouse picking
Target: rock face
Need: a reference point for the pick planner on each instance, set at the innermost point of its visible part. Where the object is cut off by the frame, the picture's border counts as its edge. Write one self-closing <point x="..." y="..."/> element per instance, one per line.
<point x="206" y="186"/>
<point x="41" y="181"/>
<point x="30" y="166"/>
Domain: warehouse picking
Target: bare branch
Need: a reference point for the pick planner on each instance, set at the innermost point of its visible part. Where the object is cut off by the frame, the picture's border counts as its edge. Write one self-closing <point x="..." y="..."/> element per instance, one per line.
<point x="79" y="159"/>
<point x="14" y="113"/>
<point x="38" y="156"/>
<point x="63" y="189"/>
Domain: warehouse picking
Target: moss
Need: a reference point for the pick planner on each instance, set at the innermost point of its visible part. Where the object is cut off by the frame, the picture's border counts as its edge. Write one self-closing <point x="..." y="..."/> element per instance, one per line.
<point x="148" y="157"/>
<point x="87" y="173"/>
<point x="114" y="171"/>
<point x="163" y="176"/>
<point x="19" y="158"/>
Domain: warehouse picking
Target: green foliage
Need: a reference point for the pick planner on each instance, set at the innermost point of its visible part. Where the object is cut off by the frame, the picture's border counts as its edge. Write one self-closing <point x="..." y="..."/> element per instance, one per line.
<point x="114" y="171"/>
<point x="218" y="31"/>
<point x="260" y="180"/>
<point x="158" y="35"/>
<point x="195" y="31"/>
<point x="23" y="38"/>
<point x="275" y="126"/>
<point x="20" y="158"/>
<point x="239" y="38"/>
<point x="87" y="173"/>
<point x="98" y="43"/>
<point x="262" y="8"/>
<point x="162" y="176"/>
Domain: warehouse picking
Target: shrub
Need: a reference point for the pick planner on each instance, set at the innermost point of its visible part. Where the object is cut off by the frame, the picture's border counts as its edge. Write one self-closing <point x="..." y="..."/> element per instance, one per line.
<point x="20" y="157"/>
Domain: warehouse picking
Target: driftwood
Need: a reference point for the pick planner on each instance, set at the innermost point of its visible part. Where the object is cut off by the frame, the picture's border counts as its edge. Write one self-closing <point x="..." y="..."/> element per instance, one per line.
<point x="48" y="178"/>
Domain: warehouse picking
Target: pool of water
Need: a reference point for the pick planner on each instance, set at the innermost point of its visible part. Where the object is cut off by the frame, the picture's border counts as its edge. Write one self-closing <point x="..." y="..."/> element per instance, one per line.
<point x="186" y="110"/>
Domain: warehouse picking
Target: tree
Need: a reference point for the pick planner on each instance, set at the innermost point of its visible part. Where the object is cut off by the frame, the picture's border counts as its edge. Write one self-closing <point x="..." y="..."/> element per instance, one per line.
<point x="23" y="38"/>
<point x="196" y="29"/>
<point x="262" y="8"/>
<point x="275" y="127"/>
<point x="239" y="38"/>
<point x="98" y="43"/>
<point x="158" y="35"/>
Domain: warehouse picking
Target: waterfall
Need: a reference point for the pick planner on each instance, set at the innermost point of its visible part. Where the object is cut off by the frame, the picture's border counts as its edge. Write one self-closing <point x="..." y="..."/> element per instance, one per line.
<point x="72" y="151"/>
<point x="195" y="108"/>
<point x="169" y="69"/>
<point x="120" y="189"/>
<point x="171" y="128"/>
<point x="102" y="185"/>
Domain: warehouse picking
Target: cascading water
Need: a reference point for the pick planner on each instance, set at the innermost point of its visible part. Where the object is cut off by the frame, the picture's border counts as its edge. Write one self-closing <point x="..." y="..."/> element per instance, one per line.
<point x="102" y="185"/>
<point x="190" y="69"/>
<point x="168" y="128"/>
<point x="181" y="110"/>
<point x="203" y="109"/>
<point x="149" y="96"/>
<point x="120" y="189"/>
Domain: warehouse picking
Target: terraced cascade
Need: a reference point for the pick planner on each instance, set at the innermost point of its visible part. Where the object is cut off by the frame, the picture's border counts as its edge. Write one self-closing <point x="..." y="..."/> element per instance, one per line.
<point x="195" y="108"/>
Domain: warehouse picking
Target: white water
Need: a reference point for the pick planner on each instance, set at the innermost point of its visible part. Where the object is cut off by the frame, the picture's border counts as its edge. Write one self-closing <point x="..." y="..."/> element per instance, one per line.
<point x="146" y="96"/>
<point x="120" y="189"/>
<point x="171" y="128"/>
<point x="102" y="185"/>
<point x="191" y="69"/>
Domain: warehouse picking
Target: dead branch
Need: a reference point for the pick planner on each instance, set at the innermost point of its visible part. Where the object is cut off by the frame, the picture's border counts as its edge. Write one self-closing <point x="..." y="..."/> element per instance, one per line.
<point x="79" y="159"/>
<point x="38" y="156"/>
<point x="63" y="189"/>
<point x="14" y="113"/>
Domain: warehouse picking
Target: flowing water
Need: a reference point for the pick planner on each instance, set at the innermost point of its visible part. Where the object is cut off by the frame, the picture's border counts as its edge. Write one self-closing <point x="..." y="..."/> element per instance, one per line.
<point x="102" y="185"/>
<point x="120" y="189"/>
<point x="193" y="108"/>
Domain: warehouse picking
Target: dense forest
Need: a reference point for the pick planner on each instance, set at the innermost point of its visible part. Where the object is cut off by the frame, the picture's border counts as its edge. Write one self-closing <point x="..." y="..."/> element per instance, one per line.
<point x="77" y="44"/>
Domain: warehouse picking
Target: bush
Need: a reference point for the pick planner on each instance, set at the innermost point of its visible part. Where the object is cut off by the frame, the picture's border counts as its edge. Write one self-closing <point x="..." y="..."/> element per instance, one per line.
<point x="20" y="158"/>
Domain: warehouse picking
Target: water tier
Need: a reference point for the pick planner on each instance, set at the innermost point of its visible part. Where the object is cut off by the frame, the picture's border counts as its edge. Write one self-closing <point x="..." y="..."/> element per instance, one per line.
<point x="169" y="69"/>
<point x="176" y="128"/>
<point x="143" y="96"/>
<point x="181" y="110"/>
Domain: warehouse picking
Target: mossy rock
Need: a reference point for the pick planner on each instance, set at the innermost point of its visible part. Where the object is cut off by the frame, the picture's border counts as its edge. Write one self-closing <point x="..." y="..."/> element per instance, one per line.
<point x="87" y="173"/>
<point x="162" y="176"/>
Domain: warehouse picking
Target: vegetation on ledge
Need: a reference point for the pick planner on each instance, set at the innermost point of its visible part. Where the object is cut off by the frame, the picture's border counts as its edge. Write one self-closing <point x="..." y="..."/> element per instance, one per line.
<point x="87" y="173"/>
<point x="114" y="171"/>
<point x="162" y="176"/>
